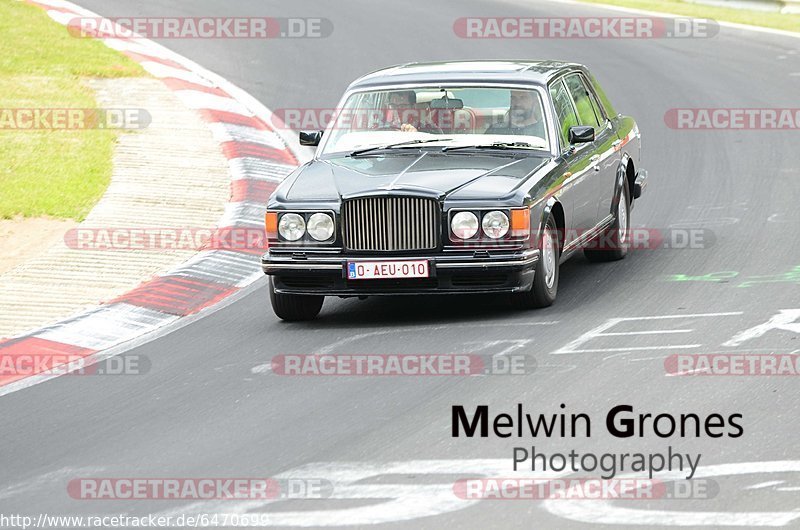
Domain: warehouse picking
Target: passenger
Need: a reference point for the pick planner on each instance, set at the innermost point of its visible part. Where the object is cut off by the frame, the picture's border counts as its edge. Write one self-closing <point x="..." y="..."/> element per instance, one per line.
<point x="524" y="116"/>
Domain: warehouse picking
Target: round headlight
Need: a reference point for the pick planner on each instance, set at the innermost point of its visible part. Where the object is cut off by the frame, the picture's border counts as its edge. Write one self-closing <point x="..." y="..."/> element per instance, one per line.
<point x="495" y="224"/>
<point x="464" y="225"/>
<point x="291" y="226"/>
<point x="320" y="226"/>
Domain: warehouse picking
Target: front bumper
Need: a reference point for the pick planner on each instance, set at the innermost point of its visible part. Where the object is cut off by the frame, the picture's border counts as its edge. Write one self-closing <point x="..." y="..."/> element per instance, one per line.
<point x="450" y="274"/>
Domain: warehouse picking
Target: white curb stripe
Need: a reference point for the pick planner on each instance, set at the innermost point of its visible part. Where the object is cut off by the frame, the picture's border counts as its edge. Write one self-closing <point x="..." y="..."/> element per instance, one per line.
<point x="243" y="214"/>
<point x="222" y="266"/>
<point x="111" y="326"/>
<point x="259" y="169"/>
<point x="142" y="48"/>
<point x="228" y="132"/>
<point x="194" y="99"/>
<point x="106" y="326"/>
<point x="163" y="71"/>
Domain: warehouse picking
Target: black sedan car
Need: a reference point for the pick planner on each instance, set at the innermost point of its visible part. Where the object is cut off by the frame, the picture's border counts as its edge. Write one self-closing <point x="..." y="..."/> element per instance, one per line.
<point x="456" y="177"/>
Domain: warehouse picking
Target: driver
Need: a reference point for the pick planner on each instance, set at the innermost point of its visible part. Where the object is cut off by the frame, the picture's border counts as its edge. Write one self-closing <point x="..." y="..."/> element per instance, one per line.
<point x="524" y="116"/>
<point x="399" y="104"/>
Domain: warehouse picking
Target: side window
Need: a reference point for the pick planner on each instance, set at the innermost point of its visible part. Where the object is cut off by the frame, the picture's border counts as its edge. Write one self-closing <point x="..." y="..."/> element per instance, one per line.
<point x="564" y="110"/>
<point x="583" y="101"/>
<point x="596" y="107"/>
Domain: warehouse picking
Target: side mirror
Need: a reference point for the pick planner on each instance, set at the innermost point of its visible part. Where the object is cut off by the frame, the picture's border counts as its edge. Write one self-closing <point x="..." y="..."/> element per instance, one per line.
<point x="311" y="138"/>
<point x="581" y="134"/>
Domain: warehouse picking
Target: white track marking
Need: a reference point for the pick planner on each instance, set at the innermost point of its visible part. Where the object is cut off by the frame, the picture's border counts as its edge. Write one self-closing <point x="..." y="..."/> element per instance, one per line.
<point x="599" y="331"/>
<point x="636" y="348"/>
<point x="515" y="344"/>
<point x="786" y="320"/>
<point x="607" y="512"/>
<point x="650" y="332"/>
<point x="355" y="338"/>
<point x="425" y="489"/>
<point x="763" y="485"/>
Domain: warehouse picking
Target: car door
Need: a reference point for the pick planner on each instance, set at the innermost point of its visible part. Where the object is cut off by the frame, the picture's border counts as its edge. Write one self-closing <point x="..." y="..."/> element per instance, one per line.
<point x="598" y="189"/>
<point x="576" y="187"/>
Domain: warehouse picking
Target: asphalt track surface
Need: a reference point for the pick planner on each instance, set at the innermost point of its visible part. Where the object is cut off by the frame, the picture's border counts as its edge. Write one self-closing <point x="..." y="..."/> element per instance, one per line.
<point x="205" y="410"/>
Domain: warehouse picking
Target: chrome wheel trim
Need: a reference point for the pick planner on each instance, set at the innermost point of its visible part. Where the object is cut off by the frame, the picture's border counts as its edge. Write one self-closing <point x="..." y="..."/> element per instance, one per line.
<point x="622" y="220"/>
<point x="549" y="259"/>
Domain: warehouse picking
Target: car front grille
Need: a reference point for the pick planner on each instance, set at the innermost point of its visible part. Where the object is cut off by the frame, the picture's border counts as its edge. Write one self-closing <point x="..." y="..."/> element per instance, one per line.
<point x="390" y="224"/>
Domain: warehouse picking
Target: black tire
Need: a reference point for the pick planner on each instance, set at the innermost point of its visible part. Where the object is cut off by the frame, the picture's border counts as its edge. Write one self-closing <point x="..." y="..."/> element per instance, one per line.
<point x="294" y="307"/>
<point x="613" y="243"/>
<point x="545" y="279"/>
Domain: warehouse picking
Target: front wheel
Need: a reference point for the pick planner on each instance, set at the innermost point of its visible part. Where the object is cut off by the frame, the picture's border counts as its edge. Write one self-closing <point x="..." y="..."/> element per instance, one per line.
<point x="294" y="307"/>
<point x="545" y="278"/>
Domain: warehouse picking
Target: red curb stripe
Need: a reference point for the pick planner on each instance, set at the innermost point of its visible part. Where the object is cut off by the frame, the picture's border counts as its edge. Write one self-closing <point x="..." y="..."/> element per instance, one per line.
<point x="248" y="149"/>
<point x="140" y="58"/>
<point x="251" y="190"/>
<point x="36" y="353"/>
<point x="221" y="116"/>
<point x="180" y="84"/>
<point x="52" y="8"/>
<point x="176" y="295"/>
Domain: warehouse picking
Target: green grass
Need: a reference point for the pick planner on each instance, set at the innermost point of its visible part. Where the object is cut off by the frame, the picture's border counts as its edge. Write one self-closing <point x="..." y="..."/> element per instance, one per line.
<point x="54" y="173"/>
<point x="740" y="16"/>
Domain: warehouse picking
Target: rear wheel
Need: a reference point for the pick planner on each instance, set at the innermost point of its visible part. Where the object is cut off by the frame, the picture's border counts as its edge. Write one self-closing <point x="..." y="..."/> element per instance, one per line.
<point x="294" y="307"/>
<point x="613" y="244"/>
<point x="545" y="278"/>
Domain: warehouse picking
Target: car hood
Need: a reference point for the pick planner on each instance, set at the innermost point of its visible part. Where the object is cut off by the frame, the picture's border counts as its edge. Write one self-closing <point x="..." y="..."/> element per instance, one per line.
<point x="454" y="176"/>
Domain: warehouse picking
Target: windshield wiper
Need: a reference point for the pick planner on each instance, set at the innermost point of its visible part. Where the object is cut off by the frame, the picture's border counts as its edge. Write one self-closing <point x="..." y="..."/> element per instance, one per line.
<point x="392" y="146"/>
<point x="496" y="145"/>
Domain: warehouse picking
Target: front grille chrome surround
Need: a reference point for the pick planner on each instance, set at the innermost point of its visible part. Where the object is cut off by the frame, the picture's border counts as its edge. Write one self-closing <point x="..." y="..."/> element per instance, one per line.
<point x="390" y="224"/>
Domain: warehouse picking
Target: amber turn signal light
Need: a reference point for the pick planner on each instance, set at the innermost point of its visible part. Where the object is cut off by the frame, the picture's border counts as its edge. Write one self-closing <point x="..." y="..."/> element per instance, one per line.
<point x="271" y="224"/>
<point x="520" y="222"/>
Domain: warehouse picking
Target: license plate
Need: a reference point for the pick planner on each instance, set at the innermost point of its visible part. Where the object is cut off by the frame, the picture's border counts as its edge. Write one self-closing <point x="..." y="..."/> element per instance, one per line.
<point x="373" y="270"/>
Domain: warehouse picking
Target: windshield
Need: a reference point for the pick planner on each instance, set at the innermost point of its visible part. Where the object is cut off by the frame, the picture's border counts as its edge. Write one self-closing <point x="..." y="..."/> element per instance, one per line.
<point x="452" y="116"/>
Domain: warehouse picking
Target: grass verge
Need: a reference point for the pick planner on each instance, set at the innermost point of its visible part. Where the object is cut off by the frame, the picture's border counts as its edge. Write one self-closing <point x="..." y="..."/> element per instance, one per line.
<point x="55" y="173"/>
<point x="727" y="14"/>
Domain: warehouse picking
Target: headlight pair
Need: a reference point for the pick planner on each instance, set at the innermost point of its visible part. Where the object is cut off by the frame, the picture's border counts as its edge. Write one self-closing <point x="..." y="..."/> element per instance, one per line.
<point x="292" y="226"/>
<point x="495" y="224"/>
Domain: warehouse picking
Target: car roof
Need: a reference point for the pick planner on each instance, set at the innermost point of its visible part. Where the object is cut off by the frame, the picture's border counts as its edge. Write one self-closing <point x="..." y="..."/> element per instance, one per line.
<point x="528" y="72"/>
